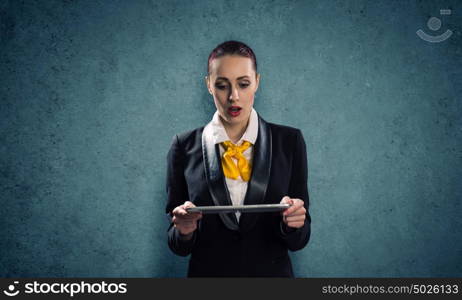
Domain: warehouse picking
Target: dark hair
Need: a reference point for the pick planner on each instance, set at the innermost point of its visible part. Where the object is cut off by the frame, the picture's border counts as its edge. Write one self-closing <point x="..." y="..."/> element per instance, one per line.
<point x="232" y="48"/>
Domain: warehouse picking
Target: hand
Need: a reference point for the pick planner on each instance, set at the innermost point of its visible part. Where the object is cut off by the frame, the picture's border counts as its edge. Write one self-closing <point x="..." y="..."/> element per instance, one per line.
<point x="293" y="216"/>
<point x="185" y="222"/>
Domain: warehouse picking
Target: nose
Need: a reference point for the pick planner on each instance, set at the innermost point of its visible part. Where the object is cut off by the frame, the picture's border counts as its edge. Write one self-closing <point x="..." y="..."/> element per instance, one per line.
<point x="234" y="95"/>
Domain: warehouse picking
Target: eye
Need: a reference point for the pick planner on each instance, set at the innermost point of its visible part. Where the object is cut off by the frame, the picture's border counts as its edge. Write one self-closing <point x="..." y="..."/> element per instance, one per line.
<point x="244" y="85"/>
<point x="220" y="86"/>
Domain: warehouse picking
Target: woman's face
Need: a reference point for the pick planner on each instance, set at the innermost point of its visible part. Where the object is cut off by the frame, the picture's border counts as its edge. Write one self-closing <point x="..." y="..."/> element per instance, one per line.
<point x="232" y="83"/>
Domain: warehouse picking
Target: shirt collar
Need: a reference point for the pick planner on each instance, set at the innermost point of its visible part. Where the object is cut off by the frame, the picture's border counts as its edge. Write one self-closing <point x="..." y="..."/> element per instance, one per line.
<point x="219" y="133"/>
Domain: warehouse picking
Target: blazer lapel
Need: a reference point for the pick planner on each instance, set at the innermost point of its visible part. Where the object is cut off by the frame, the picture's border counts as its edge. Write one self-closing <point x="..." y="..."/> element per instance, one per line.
<point x="215" y="179"/>
<point x="261" y="170"/>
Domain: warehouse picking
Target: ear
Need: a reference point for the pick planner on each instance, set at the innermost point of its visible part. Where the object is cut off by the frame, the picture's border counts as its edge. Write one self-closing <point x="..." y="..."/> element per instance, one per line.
<point x="257" y="82"/>
<point x="207" y="84"/>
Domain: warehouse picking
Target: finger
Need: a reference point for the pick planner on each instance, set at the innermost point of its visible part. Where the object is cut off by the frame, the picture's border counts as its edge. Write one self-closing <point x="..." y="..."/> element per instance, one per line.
<point x="188" y="226"/>
<point x="186" y="222"/>
<point x="188" y="204"/>
<point x="185" y="230"/>
<point x="186" y="219"/>
<point x="177" y="220"/>
<point x="295" y="224"/>
<point x="295" y="218"/>
<point x="297" y="204"/>
<point x="182" y="219"/>
<point x="191" y="216"/>
<point x="298" y="212"/>
<point x="177" y="215"/>
<point x="290" y="210"/>
<point x="179" y="211"/>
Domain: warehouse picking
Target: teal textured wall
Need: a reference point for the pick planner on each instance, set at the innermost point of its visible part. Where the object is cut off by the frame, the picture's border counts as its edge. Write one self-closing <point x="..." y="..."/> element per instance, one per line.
<point x="93" y="91"/>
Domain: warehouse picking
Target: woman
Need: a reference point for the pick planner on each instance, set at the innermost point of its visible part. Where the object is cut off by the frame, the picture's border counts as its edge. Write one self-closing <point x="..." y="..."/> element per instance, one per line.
<point x="237" y="158"/>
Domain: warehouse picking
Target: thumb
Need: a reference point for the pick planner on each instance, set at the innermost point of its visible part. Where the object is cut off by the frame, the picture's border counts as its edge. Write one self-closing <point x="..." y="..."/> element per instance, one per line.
<point x="286" y="199"/>
<point x="188" y="204"/>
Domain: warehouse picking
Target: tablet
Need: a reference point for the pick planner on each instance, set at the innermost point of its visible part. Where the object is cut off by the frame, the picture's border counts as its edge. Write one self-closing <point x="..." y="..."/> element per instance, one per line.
<point x="238" y="208"/>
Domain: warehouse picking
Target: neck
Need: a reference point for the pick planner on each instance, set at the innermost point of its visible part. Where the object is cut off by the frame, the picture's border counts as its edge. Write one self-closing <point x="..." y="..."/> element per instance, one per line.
<point x="236" y="131"/>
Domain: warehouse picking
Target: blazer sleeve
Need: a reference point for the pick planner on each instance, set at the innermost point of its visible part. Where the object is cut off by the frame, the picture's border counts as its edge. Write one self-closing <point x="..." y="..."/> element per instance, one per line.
<point x="297" y="238"/>
<point x="177" y="194"/>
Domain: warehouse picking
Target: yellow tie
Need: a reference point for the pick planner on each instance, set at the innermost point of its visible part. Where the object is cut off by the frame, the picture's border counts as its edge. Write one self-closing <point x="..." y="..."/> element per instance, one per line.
<point x="243" y="167"/>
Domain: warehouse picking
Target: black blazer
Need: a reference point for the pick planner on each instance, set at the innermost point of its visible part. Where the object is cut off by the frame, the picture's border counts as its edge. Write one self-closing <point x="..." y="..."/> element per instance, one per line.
<point x="258" y="245"/>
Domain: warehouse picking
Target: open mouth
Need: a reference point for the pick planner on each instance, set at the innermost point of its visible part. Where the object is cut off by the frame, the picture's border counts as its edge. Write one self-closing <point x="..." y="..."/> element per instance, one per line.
<point x="234" y="110"/>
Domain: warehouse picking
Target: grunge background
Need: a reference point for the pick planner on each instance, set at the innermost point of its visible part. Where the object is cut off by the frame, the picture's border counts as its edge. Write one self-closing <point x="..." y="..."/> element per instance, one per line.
<point x="92" y="93"/>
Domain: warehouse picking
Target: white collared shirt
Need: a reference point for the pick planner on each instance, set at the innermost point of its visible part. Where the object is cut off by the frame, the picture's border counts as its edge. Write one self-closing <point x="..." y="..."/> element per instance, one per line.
<point x="237" y="187"/>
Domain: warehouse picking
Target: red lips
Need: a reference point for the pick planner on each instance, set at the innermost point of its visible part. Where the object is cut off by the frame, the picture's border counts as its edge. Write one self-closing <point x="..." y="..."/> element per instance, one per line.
<point x="234" y="110"/>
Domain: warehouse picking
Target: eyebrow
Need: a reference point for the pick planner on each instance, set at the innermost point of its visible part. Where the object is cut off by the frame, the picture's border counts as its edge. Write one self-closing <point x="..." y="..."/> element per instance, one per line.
<point x="224" y="78"/>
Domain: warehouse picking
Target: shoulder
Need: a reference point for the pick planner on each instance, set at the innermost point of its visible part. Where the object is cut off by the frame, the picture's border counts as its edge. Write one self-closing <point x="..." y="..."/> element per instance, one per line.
<point x="284" y="131"/>
<point x="288" y="140"/>
<point x="287" y="137"/>
<point x="188" y="139"/>
<point x="185" y="136"/>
